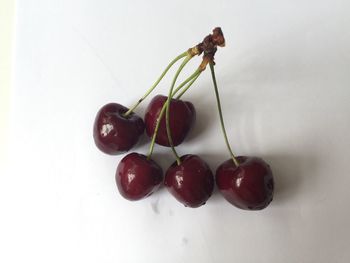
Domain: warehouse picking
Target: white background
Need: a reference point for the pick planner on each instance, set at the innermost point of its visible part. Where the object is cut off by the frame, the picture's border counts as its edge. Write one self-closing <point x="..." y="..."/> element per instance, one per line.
<point x="284" y="79"/>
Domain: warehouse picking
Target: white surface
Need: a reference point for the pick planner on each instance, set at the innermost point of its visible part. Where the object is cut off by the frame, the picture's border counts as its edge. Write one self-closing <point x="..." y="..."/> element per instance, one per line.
<point x="284" y="80"/>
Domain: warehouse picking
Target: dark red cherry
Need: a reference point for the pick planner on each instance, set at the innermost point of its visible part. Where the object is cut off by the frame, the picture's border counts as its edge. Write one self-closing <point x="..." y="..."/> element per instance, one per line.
<point x="181" y="118"/>
<point x="115" y="133"/>
<point x="137" y="176"/>
<point x="249" y="186"/>
<point x="191" y="182"/>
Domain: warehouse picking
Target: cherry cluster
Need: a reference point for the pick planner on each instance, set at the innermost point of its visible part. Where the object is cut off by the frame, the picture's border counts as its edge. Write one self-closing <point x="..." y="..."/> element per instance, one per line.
<point x="246" y="182"/>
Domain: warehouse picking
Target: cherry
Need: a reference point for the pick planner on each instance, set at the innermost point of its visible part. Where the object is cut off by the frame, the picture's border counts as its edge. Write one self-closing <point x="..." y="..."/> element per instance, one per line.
<point x="191" y="182"/>
<point x="137" y="176"/>
<point x="181" y="119"/>
<point x="115" y="133"/>
<point x="246" y="182"/>
<point x="247" y="186"/>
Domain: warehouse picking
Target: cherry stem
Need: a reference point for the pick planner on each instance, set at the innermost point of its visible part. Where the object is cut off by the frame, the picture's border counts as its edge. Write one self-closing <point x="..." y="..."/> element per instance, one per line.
<point x="190" y="78"/>
<point x="156" y="83"/>
<point x="198" y="72"/>
<point x="220" y="114"/>
<point x="194" y="75"/>
<point x="167" y="113"/>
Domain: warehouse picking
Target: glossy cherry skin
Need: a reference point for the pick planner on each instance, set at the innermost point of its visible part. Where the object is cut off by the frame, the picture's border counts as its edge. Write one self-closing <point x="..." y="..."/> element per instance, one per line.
<point x="114" y="133"/>
<point x="249" y="186"/>
<point x="182" y="116"/>
<point x="191" y="182"/>
<point x="138" y="177"/>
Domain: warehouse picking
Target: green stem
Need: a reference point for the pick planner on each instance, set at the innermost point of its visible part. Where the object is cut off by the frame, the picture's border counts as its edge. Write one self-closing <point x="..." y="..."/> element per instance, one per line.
<point x="167" y="113"/>
<point x="220" y="114"/>
<point x="194" y="75"/>
<point x="188" y="86"/>
<point x="156" y="83"/>
<point x="191" y="78"/>
<point x="156" y="132"/>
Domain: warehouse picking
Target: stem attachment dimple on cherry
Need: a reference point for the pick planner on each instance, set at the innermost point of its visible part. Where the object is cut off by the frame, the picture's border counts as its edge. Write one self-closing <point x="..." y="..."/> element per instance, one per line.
<point x="211" y="64"/>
